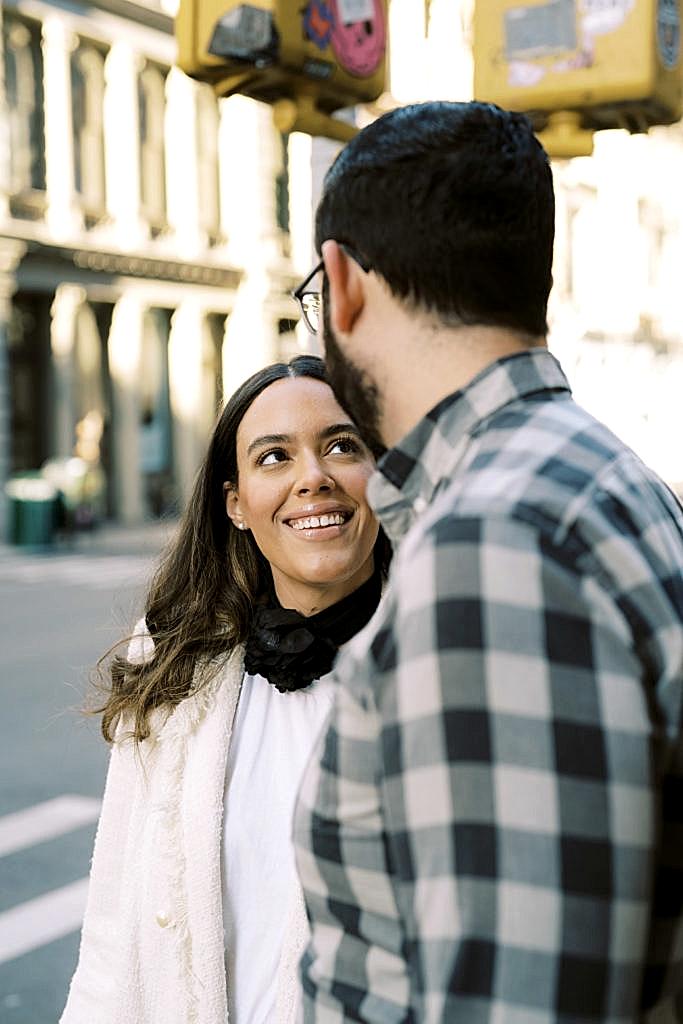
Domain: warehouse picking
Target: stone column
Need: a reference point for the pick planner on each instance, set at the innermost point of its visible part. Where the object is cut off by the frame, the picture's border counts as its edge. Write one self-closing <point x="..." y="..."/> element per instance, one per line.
<point x="65" y="308"/>
<point x="449" y="65"/>
<point x="253" y="243"/>
<point x="125" y="342"/>
<point x="64" y="217"/>
<point x="5" y="165"/>
<point x="301" y="201"/>
<point x="185" y="351"/>
<point x="11" y="253"/>
<point x="122" y="140"/>
<point x="323" y="154"/>
<point x="408" y="67"/>
<point x="184" y="199"/>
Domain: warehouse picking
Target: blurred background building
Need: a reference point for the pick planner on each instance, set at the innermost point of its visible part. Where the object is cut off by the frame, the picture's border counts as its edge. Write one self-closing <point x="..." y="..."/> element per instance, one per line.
<point x="150" y="234"/>
<point x="146" y="248"/>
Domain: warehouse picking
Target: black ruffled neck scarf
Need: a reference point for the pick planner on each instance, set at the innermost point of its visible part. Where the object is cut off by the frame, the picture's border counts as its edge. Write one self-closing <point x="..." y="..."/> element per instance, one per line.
<point x="291" y="650"/>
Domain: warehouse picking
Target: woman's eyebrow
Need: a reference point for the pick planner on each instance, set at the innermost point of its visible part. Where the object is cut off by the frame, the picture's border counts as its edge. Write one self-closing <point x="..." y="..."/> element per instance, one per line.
<point x="340" y="428"/>
<point x="258" y="442"/>
<point x="335" y="428"/>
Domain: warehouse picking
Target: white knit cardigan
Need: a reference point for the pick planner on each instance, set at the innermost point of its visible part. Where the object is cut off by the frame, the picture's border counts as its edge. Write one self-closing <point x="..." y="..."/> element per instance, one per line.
<point x="152" y="945"/>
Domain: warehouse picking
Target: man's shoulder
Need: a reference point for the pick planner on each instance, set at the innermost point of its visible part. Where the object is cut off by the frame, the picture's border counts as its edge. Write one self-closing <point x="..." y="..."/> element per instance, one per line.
<point x="583" y="502"/>
<point x="550" y="465"/>
<point x="536" y="451"/>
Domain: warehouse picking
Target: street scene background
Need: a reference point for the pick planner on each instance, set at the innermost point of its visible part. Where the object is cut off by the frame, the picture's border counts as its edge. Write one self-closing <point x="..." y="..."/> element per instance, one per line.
<point x="150" y="236"/>
<point x="60" y="613"/>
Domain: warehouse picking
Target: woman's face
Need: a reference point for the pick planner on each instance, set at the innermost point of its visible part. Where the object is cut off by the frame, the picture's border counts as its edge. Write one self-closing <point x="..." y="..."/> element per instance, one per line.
<point x="302" y="470"/>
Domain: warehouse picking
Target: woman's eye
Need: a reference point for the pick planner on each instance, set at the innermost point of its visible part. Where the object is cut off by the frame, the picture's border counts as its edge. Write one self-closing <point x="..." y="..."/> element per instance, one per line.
<point x="272" y="457"/>
<point x="344" y="446"/>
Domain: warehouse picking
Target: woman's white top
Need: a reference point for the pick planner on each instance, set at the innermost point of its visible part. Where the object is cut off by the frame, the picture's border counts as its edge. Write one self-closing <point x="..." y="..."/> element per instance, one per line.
<point x="273" y="737"/>
<point x="174" y="842"/>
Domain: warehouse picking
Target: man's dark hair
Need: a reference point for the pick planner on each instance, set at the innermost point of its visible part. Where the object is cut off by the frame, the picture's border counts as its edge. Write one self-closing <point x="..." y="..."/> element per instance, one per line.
<point x="453" y="205"/>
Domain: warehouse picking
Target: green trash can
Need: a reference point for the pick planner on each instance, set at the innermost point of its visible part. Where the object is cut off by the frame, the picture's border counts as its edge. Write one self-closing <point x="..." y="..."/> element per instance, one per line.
<point x="32" y="510"/>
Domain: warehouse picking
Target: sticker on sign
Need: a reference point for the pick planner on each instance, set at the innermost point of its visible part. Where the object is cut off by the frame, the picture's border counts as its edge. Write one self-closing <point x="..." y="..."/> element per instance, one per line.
<point x="537" y="31"/>
<point x="669" y="33"/>
<point x="355" y="10"/>
<point x="601" y="17"/>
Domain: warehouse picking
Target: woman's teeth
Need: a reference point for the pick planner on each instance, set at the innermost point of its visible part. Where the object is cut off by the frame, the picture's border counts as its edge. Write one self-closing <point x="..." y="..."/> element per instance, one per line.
<point x="313" y="522"/>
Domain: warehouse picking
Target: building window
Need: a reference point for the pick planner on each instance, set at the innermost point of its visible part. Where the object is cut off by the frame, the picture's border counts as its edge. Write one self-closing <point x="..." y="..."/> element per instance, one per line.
<point x="151" y="112"/>
<point x="24" y="93"/>
<point x="282" y="192"/>
<point x="87" y="102"/>
<point x="207" y="163"/>
<point x="28" y="344"/>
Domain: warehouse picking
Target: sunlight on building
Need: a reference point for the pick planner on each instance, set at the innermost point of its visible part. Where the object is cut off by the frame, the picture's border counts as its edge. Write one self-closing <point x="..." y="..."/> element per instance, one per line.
<point x="150" y="236"/>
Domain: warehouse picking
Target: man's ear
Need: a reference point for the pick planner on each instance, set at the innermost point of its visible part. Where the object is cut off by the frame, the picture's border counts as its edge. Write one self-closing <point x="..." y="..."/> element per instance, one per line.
<point x="232" y="505"/>
<point x="346" y="291"/>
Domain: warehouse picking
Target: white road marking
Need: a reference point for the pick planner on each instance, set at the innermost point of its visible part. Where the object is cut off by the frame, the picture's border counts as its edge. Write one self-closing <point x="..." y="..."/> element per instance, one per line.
<point x="44" y="919"/>
<point x="45" y="821"/>
<point x="100" y="573"/>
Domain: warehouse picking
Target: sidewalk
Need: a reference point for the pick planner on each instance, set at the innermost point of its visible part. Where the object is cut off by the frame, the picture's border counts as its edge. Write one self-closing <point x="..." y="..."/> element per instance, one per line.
<point x="110" y="538"/>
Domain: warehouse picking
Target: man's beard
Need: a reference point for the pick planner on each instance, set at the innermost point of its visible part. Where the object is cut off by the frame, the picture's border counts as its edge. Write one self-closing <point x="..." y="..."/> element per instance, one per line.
<point x="353" y="390"/>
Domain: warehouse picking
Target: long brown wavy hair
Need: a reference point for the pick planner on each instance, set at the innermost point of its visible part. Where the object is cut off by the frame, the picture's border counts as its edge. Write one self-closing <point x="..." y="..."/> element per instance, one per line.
<point x="200" y="602"/>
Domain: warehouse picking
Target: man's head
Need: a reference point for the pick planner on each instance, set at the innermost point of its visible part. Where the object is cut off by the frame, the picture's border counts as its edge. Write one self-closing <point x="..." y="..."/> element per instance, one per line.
<point x="451" y="207"/>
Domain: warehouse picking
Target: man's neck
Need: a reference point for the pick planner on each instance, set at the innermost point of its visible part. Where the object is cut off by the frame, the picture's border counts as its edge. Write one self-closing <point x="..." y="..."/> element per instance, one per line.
<point x="419" y="378"/>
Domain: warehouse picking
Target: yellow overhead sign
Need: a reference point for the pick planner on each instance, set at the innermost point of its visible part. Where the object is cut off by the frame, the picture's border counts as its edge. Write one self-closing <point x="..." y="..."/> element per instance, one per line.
<point x="316" y="55"/>
<point x="580" y="65"/>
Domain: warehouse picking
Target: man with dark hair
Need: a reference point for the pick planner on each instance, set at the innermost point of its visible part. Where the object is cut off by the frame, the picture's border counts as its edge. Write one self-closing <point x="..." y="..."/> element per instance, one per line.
<point x="493" y="828"/>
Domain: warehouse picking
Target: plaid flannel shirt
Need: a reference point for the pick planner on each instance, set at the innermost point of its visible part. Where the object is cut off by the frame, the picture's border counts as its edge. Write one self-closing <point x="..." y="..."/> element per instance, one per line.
<point x="492" y="828"/>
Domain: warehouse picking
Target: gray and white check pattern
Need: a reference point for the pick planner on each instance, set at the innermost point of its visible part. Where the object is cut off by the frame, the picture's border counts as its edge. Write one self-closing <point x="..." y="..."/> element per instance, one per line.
<point x="492" y="829"/>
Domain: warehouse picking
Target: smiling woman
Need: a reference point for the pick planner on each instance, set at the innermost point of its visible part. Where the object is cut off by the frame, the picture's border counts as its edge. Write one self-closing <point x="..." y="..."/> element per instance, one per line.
<point x="301" y="492"/>
<point x="194" y="907"/>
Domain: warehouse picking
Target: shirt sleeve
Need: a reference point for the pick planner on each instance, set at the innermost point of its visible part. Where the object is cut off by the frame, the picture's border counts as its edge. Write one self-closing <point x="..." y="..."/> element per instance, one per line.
<point x="517" y="787"/>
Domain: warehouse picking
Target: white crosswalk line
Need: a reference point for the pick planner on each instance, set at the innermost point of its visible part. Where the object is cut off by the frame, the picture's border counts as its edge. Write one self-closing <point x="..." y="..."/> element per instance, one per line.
<point x="98" y="573"/>
<point x="45" y="821"/>
<point x="44" y="919"/>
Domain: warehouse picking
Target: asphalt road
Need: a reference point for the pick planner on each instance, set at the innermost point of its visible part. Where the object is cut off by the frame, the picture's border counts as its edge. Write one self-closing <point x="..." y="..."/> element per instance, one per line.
<point x="59" y="613"/>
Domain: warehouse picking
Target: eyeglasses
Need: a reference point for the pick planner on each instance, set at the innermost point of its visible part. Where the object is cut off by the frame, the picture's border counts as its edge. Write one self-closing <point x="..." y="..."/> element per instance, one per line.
<point x="310" y="300"/>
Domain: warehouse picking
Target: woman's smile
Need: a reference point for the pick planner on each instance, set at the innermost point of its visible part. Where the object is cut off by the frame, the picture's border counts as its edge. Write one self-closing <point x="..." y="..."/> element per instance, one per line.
<point x="319" y="522"/>
<point x="302" y="471"/>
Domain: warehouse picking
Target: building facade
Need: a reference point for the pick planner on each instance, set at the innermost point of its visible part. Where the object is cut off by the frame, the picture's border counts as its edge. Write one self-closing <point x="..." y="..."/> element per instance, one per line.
<point x="148" y="243"/>
<point x="616" y="314"/>
<point x="616" y="319"/>
<point x="150" y="234"/>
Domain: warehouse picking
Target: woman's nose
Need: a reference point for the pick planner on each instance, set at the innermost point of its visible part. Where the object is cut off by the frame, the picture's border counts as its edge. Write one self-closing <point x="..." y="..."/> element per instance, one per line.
<point x="314" y="477"/>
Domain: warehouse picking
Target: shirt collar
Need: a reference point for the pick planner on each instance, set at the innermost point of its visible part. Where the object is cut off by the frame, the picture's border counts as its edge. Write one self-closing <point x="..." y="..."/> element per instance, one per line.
<point x="409" y="475"/>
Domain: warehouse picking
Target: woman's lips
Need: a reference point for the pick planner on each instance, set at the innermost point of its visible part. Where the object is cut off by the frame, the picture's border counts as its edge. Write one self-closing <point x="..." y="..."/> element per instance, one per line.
<point x="328" y="524"/>
<point x="316" y="522"/>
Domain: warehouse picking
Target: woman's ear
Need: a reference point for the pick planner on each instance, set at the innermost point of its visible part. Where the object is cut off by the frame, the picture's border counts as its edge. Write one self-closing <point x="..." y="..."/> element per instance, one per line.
<point x="232" y="505"/>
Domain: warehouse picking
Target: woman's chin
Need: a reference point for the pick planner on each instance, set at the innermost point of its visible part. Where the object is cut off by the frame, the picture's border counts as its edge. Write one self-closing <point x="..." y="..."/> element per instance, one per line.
<point x="326" y="574"/>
